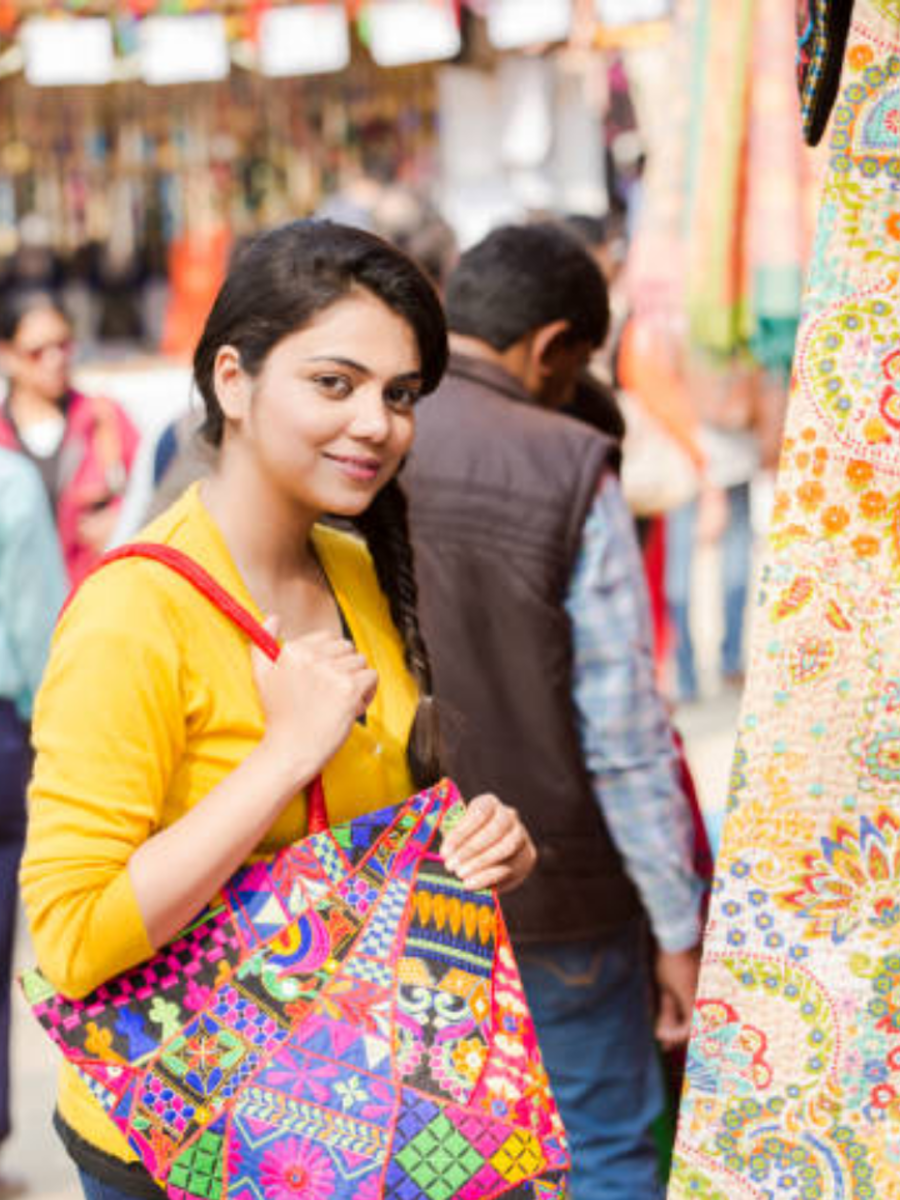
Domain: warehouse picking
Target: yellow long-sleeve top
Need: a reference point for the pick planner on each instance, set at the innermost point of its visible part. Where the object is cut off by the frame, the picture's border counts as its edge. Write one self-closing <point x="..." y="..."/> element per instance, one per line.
<point x="147" y="704"/>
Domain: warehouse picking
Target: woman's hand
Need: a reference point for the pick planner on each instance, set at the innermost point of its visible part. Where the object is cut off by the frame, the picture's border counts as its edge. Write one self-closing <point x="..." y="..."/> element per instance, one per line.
<point x="490" y="847"/>
<point x="311" y="696"/>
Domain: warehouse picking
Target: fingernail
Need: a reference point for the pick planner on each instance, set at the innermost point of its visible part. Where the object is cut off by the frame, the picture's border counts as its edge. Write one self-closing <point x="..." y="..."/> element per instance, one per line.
<point x="450" y="863"/>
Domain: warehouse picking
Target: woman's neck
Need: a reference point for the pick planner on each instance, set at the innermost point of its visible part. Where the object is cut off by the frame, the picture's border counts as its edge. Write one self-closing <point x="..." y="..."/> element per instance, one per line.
<point x="267" y="533"/>
<point x="29" y="407"/>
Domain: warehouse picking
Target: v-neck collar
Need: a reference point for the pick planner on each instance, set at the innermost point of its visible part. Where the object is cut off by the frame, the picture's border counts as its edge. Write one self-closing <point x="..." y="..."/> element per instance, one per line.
<point x="223" y="564"/>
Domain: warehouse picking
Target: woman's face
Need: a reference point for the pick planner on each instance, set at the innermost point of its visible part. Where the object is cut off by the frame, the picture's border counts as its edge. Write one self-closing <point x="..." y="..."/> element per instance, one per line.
<point x="39" y="355"/>
<point x="329" y="417"/>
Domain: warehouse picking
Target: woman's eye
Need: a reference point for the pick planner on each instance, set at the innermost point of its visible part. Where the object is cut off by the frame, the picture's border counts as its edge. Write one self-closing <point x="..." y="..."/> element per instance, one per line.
<point x="337" y="386"/>
<point x="402" y="396"/>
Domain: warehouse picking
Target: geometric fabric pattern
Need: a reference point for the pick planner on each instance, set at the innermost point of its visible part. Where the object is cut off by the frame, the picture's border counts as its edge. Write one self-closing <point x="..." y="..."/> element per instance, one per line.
<point x="793" y="1073"/>
<point x="345" y="1021"/>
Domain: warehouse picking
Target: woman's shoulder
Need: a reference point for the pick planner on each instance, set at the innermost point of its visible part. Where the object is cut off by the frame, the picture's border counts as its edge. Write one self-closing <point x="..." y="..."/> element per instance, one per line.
<point x="125" y="598"/>
<point x="92" y="408"/>
<point x="135" y="593"/>
<point x="177" y="524"/>
<point x="351" y="571"/>
<point x="345" y="548"/>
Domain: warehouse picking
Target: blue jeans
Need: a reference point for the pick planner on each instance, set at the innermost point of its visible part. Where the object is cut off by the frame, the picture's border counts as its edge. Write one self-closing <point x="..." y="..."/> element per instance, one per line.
<point x="737" y="546"/>
<point x="15" y="764"/>
<point x="591" y="1005"/>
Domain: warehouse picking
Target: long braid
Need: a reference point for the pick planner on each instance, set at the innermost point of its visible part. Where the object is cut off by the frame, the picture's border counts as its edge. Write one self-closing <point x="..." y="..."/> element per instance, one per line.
<point x="385" y="527"/>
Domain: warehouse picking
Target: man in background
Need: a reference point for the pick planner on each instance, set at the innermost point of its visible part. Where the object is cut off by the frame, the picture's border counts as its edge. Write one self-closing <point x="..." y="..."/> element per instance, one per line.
<point x="535" y="613"/>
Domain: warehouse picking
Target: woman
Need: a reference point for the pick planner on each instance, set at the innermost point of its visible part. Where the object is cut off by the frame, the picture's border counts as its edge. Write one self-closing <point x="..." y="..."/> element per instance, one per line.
<point x="157" y="731"/>
<point x="84" y="446"/>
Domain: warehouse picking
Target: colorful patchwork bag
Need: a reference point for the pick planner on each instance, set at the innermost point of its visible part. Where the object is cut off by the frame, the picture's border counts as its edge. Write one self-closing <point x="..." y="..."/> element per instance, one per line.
<point x="346" y="1020"/>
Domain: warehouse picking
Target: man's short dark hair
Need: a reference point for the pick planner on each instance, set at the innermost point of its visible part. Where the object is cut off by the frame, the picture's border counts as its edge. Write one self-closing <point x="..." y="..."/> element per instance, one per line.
<point x="522" y="277"/>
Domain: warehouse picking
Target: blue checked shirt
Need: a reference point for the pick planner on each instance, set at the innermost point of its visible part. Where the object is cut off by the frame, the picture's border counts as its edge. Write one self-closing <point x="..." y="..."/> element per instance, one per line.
<point x="624" y="727"/>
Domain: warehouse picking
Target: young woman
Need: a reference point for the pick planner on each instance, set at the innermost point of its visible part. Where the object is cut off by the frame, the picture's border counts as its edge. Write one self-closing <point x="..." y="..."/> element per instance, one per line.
<point x="84" y="446"/>
<point x="168" y="754"/>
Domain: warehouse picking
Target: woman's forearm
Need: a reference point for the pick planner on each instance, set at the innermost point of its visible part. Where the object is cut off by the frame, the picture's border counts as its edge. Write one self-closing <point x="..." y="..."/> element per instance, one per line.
<point x="177" y="872"/>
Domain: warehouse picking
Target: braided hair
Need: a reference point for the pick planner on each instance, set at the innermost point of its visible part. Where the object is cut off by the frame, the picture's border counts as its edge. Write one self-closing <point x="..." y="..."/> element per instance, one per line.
<point x="385" y="527"/>
<point x="275" y="286"/>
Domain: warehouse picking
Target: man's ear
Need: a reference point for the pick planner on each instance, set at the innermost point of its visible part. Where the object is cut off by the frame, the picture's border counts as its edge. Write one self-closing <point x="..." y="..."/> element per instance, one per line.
<point x="546" y="343"/>
<point x="232" y="384"/>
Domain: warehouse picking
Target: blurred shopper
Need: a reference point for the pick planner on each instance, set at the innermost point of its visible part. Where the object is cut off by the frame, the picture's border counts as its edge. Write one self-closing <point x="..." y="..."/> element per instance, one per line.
<point x="663" y="461"/>
<point x="83" y="446"/>
<point x="595" y="400"/>
<point x="403" y="216"/>
<point x="183" y="455"/>
<point x="32" y="588"/>
<point x="535" y="612"/>
<point x="729" y="402"/>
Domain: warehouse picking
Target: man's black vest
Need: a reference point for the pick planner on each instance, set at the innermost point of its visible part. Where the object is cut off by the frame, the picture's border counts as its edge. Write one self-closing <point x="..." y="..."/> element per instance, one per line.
<point x="499" y="492"/>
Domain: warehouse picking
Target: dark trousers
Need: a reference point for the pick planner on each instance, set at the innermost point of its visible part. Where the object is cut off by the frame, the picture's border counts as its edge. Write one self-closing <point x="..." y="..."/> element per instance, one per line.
<point x="15" y="765"/>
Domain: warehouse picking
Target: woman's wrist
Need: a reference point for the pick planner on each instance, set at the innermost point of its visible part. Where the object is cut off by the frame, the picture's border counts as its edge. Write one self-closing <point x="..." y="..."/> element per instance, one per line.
<point x="287" y="769"/>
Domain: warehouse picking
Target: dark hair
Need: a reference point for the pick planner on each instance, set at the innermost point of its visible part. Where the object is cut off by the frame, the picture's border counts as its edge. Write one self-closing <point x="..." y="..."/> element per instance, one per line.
<point x="281" y="279"/>
<point x="385" y="527"/>
<point x="275" y="285"/>
<point x="17" y="305"/>
<point x="595" y="231"/>
<point x="521" y="277"/>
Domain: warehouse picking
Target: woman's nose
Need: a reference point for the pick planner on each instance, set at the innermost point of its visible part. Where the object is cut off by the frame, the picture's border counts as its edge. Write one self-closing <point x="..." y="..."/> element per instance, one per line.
<point x="372" y="417"/>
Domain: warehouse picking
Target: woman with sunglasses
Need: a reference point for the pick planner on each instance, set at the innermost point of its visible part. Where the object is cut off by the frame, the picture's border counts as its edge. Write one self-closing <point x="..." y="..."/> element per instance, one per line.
<point x="83" y="446"/>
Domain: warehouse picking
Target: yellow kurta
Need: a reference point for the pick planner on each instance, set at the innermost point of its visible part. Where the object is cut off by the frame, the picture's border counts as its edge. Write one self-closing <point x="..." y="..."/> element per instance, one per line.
<point x="147" y="704"/>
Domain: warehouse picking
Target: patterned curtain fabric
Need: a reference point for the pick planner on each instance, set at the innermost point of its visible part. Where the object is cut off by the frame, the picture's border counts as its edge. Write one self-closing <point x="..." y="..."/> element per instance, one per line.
<point x="748" y="180"/>
<point x="793" y="1076"/>
<point x="725" y="226"/>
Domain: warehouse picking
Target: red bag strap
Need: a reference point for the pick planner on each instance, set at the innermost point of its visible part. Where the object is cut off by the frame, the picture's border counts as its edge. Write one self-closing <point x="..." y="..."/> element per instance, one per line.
<point x="200" y="578"/>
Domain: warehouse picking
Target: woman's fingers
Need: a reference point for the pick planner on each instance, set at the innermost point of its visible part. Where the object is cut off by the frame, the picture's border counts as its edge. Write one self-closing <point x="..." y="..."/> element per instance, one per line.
<point x="368" y="686"/>
<point x="474" y="830"/>
<point x="505" y="848"/>
<point x="338" y="649"/>
<point x="505" y="876"/>
<point x="490" y="846"/>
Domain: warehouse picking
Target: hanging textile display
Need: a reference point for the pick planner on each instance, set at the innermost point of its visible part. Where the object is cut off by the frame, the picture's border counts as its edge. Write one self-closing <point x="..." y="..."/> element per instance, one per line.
<point x="748" y="181"/>
<point x="661" y="82"/>
<point x="88" y="172"/>
<point x="725" y="222"/>
<point x="793" y="1075"/>
<point x="716" y="301"/>
<point x="775" y="178"/>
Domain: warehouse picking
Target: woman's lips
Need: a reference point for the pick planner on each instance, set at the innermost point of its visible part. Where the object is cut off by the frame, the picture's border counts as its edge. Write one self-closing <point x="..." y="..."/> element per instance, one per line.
<point x="364" y="469"/>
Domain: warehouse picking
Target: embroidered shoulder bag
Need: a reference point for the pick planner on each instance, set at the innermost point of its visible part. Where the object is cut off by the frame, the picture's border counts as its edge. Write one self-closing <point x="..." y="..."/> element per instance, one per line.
<point x="345" y="1020"/>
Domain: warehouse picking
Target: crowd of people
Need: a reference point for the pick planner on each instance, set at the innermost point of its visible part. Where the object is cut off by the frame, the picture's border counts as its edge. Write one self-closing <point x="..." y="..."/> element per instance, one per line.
<point x="497" y="594"/>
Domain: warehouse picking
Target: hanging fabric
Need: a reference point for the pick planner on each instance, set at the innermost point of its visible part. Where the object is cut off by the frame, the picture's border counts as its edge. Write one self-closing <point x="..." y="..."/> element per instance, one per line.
<point x="793" y="1074"/>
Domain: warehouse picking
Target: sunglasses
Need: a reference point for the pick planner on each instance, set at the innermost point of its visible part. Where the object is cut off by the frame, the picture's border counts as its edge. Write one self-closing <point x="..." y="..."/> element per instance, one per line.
<point x="62" y="347"/>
